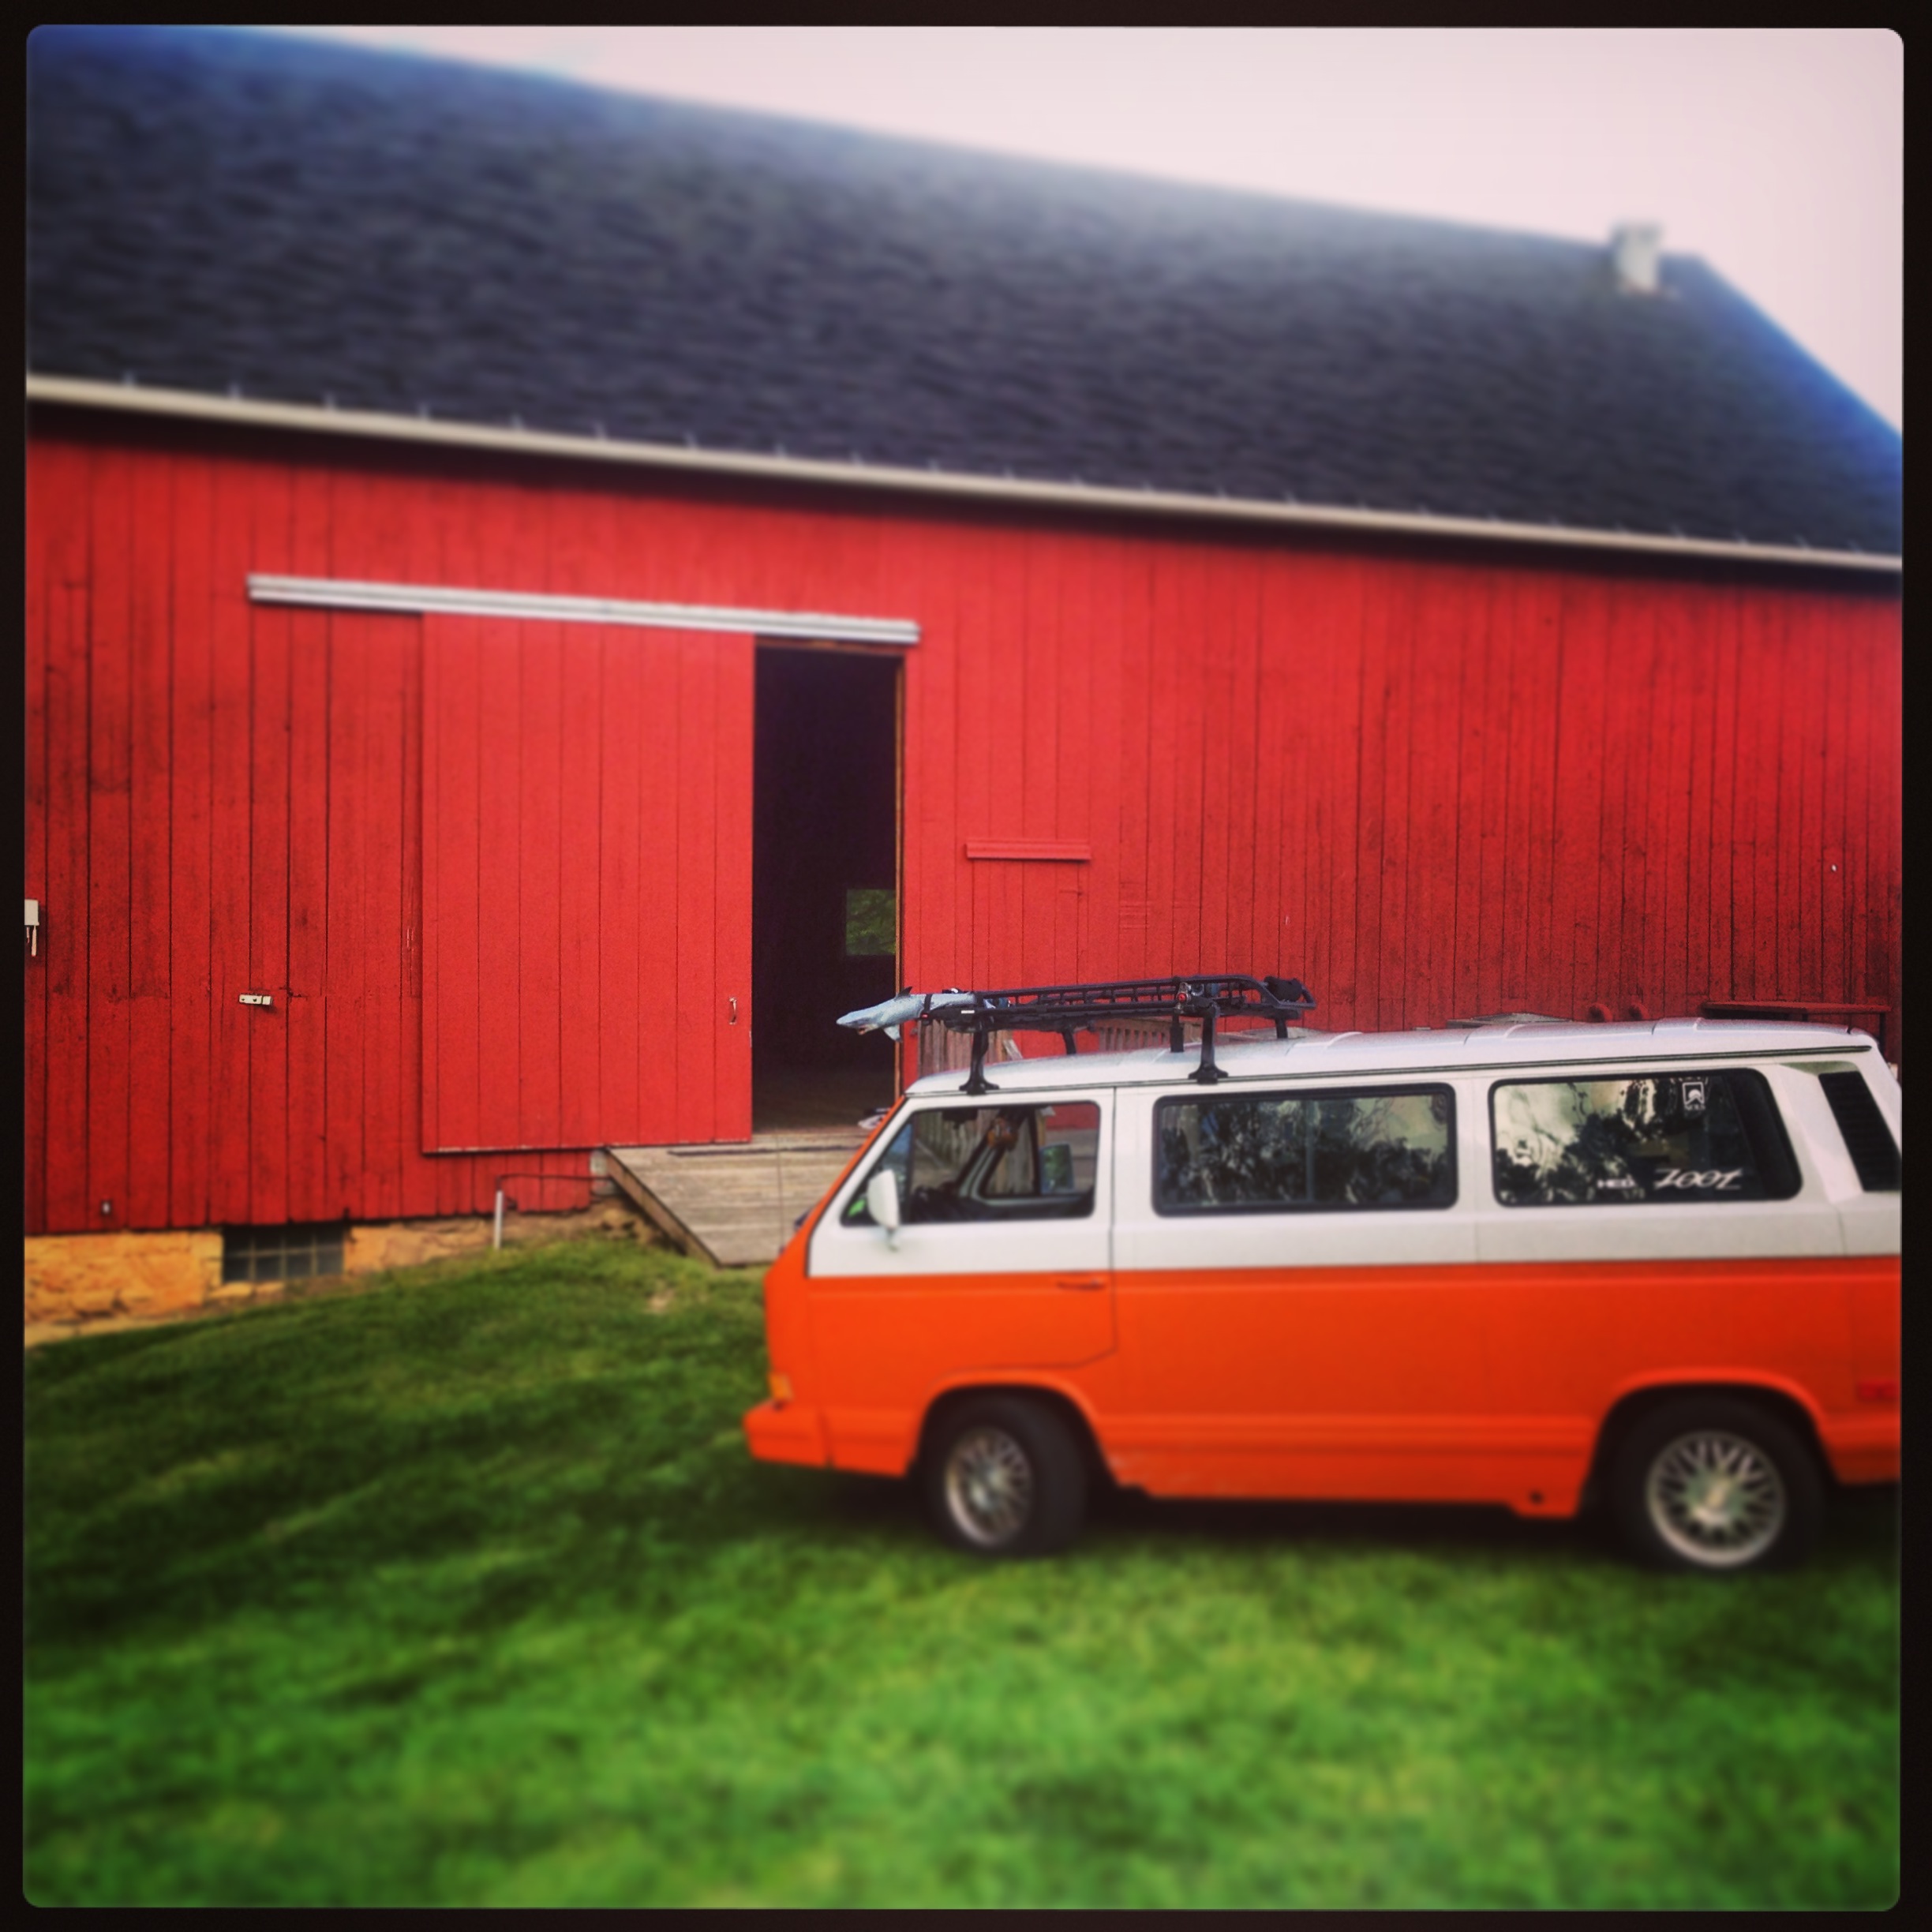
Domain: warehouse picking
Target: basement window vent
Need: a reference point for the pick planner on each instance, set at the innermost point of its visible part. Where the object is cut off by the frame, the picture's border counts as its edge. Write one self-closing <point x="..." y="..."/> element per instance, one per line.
<point x="292" y="1252"/>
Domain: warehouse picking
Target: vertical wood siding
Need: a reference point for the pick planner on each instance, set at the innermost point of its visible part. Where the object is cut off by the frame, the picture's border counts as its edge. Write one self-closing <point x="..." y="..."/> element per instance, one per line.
<point x="1429" y="785"/>
<point x="586" y="866"/>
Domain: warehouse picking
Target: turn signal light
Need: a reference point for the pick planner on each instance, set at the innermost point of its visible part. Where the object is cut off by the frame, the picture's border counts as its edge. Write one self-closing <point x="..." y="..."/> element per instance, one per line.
<point x="780" y="1387"/>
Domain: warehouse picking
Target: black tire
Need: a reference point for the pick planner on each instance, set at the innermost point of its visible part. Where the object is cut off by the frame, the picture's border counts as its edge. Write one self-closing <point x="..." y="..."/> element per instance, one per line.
<point x="1003" y="1476"/>
<point x="1718" y="1485"/>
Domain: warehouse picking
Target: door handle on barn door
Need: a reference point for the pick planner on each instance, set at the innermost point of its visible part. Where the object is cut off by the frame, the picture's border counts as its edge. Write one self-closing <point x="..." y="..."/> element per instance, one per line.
<point x="1086" y="1281"/>
<point x="733" y="1004"/>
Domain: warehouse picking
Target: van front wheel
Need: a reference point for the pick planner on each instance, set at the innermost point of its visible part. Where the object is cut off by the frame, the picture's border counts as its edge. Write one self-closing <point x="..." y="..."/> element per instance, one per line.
<point x="1003" y="1476"/>
<point x="1718" y="1485"/>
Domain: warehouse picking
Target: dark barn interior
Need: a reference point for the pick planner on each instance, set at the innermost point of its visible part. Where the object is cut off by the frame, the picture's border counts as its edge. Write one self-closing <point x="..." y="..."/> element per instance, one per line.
<point x="823" y="875"/>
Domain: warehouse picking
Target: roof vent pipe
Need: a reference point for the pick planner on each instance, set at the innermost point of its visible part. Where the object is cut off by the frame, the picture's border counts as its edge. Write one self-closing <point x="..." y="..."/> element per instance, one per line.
<point x="1634" y="254"/>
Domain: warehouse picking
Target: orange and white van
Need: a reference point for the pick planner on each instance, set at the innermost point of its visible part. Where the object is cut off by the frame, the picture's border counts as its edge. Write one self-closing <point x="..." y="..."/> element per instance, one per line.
<point x="1524" y="1264"/>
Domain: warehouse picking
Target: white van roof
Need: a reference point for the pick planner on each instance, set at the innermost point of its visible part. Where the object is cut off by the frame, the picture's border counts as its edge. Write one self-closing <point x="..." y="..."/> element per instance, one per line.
<point x="1424" y="1051"/>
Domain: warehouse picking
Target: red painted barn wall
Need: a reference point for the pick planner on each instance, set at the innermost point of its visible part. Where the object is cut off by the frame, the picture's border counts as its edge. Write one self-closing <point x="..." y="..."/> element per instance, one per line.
<point x="1429" y="785"/>
<point x="586" y="866"/>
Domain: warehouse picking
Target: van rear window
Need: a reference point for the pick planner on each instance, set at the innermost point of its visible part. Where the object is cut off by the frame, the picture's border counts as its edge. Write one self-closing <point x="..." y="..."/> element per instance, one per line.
<point x="1640" y="1140"/>
<point x="1249" y="1153"/>
<point x="1867" y="1139"/>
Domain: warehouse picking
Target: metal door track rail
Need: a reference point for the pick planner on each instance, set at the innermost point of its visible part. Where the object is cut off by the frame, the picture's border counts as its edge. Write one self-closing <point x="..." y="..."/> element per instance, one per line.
<point x="1068" y="1009"/>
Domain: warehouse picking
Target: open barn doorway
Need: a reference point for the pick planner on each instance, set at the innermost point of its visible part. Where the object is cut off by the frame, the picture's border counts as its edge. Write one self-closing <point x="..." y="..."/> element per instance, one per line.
<point x="824" y="881"/>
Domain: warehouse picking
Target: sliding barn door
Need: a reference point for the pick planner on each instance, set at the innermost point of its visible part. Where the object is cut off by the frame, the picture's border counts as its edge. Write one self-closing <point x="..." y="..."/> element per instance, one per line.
<point x="586" y="885"/>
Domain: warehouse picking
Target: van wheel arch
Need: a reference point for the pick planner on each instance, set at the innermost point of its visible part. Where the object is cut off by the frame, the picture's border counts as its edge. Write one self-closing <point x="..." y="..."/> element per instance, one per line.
<point x="1068" y="1411"/>
<point x="1630" y="1409"/>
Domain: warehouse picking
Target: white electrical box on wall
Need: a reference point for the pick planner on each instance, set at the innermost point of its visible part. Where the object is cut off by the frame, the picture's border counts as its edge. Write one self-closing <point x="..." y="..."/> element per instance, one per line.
<point x="33" y="925"/>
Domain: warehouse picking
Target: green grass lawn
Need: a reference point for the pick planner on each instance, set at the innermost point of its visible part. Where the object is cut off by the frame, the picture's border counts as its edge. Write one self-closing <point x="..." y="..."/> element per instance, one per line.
<point x="465" y="1591"/>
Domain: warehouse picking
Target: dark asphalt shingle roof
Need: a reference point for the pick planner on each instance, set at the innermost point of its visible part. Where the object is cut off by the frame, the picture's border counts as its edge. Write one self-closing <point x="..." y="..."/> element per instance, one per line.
<point x="213" y="211"/>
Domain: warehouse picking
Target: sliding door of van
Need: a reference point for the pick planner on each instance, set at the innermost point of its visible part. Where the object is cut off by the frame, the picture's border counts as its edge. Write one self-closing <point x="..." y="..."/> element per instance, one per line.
<point x="1292" y="1294"/>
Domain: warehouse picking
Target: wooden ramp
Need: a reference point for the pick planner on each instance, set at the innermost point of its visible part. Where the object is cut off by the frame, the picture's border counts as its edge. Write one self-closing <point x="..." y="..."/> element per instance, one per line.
<point x="734" y="1204"/>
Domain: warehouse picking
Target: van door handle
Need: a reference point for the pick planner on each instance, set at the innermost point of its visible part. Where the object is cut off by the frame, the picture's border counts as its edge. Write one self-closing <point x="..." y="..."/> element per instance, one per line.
<point x="1088" y="1282"/>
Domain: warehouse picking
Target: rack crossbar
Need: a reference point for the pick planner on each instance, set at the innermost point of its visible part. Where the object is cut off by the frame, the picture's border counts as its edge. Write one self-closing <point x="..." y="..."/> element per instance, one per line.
<point x="1068" y="1009"/>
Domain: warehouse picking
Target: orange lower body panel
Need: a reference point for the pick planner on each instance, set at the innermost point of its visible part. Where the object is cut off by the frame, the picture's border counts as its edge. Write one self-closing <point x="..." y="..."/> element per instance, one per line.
<point x="1863" y="1449"/>
<point x="1477" y="1383"/>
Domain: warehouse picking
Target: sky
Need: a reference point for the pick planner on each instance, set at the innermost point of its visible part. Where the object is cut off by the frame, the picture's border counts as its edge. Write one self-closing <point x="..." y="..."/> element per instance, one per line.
<point x="1776" y="154"/>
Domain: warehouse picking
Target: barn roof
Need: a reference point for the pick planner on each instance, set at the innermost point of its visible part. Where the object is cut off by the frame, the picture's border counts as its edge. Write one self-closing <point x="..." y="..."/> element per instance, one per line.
<point x="234" y="215"/>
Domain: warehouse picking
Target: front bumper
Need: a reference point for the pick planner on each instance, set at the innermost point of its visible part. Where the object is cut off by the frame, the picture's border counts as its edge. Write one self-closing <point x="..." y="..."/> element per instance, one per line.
<point x="786" y="1432"/>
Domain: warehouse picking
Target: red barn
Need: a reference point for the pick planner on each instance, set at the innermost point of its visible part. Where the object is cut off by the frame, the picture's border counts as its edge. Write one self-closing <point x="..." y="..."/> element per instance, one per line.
<point x="538" y="600"/>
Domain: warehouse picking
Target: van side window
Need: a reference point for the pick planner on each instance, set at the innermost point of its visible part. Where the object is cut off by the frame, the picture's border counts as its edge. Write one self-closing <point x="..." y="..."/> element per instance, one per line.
<point x="996" y="1163"/>
<point x="1645" y="1139"/>
<point x="1387" y="1146"/>
<point x="1867" y="1139"/>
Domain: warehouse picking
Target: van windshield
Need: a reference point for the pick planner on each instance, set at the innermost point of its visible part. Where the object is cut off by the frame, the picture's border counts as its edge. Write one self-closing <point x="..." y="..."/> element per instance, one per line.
<point x="1017" y="1163"/>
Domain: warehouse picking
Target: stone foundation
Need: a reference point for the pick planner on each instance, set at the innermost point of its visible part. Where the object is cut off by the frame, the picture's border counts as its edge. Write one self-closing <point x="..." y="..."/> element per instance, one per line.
<point x="402" y="1244"/>
<point x="88" y="1280"/>
<point x="78" y="1278"/>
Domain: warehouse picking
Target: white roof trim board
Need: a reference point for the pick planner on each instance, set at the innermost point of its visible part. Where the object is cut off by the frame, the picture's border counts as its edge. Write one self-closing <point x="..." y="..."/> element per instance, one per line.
<point x="344" y="594"/>
<point x="245" y="413"/>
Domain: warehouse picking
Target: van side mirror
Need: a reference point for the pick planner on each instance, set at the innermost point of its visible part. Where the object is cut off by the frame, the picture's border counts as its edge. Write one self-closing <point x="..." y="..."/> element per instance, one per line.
<point x="882" y="1202"/>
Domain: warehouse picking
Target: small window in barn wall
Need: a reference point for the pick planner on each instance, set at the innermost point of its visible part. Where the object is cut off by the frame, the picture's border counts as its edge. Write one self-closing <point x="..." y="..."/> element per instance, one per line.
<point x="870" y="922"/>
<point x="293" y="1251"/>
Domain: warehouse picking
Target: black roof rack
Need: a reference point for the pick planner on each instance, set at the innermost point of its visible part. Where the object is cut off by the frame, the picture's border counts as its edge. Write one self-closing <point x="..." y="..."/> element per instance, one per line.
<point x="1068" y="1009"/>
